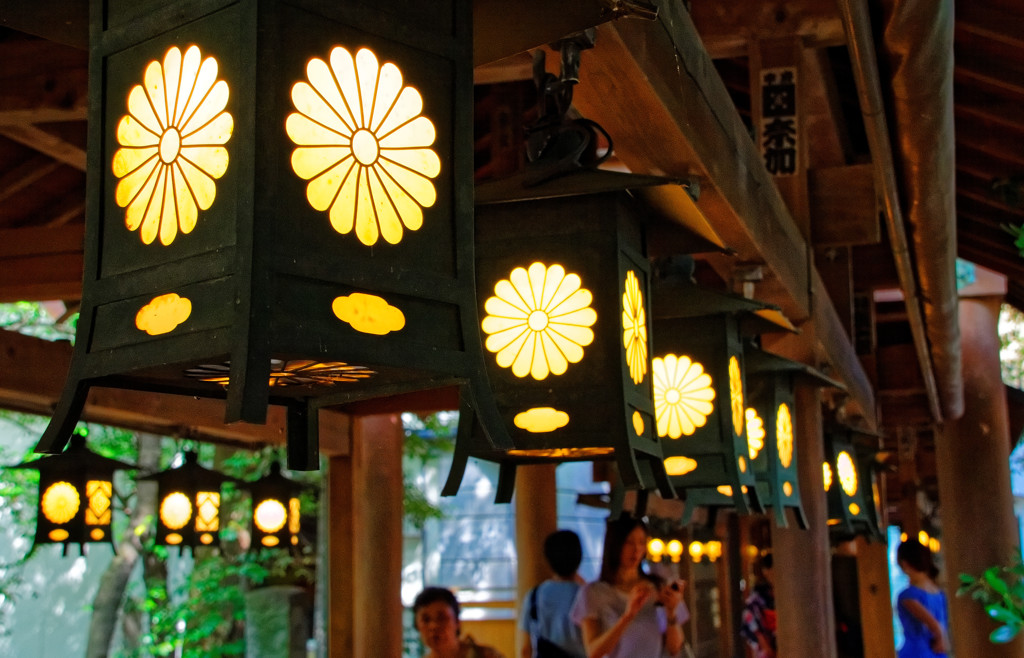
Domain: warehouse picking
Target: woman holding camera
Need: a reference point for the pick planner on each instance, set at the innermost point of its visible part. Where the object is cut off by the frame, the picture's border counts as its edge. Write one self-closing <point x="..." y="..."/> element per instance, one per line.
<point x="627" y="613"/>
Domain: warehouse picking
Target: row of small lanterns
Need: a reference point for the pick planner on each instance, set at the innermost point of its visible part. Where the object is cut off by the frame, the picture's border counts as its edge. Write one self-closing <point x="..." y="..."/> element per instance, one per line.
<point x="76" y="491"/>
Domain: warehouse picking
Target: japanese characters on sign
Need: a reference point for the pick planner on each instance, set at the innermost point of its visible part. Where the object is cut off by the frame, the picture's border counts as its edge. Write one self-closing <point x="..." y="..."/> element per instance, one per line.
<point x="778" y="133"/>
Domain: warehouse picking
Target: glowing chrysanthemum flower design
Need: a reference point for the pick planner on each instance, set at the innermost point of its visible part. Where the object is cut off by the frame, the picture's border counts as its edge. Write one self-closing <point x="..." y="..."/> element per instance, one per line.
<point x="736" y="395"/>
<point x="362" y="145"/>
<point x="784" y="435"/>
<point x="172" y="145"/>
<point x="289" y="373"/>
<point x="755" y="433"/>
<point x="539" y="320"/>
<point x="683" y="395"/>
<point x="60" y="502"/>
<point x="847" y="473"/>
<point x="826" y="472"/>
<point x="634" y="328"/>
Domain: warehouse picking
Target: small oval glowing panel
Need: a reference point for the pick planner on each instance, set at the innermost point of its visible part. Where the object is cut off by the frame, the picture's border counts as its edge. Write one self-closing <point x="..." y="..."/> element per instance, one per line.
<point x="539" y="320"/>
<point x="368" y="314"/>
<point x="683" y="395"/>
<point x="679" y="465"/>
<point x="163" y="314"/>
<point x="294" y="516"/>
<point x="736" y="395"/>
<point x="58" y="534"/>
<point x="270" y="516"/>
<point x="638" y="423"/>
<point x="847" y="473"/>
<point x="363" y="146"/>
<point x="172" y="145"/>
<point x="787" y="488"/>
<point x="175" y="511"/>
<point x="755" y="432"/>
<point x="634" y="328"/>
<point x="784" y="435"/>
<point x="826" y="471"/>
<point x="60" y="502"/>
<point x="541" y="419"/>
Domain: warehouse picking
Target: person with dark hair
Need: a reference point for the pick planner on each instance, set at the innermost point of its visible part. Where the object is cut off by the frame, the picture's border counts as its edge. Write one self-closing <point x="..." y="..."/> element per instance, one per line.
<point x="436" y="617"/>
<point x="628" y="613"/>
<point x="544" y="617"/>
<point x="922" y="605"/>
<point x="759" y="620"/>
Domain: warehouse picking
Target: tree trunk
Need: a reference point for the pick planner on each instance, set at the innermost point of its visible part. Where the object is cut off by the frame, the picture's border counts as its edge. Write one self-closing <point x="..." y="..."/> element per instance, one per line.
<point x="107" y="603"/>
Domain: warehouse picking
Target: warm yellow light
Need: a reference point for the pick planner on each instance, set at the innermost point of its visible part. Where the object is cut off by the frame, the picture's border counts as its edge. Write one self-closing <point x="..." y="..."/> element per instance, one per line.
<point x="934" y="545"/>
<point x="784" y="435"/>
<point x="539" y="320"/>
<point x="207" y="511"/>
<point x="363" y="146"/>
<point x="922" y="538"/>
<point x="96" y="534"/>
<point x="172" y="145"/>
<point x="541" y="419"/>
<point x="787" y="489"/>
<point x="58" y="534"/>
<point x="299" y="372"/>
<point x="294" y="518"/>
<point x="163" y="314"/>
<point x="826" y="471"/>
<point x="174" y="539"/>
<point x="270" y="541"/>
<point x="562" y="453"/>
<point x="368" y="314"/>
<point x="655" y="549"/>
<point x="696" y="551"/>
<point x="751" y="551"/>
<point x="683" y="395"/>
<point x="736" y="395"/>
<point x="854" y="509"/>
<point x="98" y="493"/>
<point x="638" y="423"/>
<point x="270" y="515"/>
<point x="206" y="538"/>
<point x="903" y="536"/>
<point x="634" y="328"/>
<point x="674" y="548"/>
<point x="713" y="549"/>
<point x="755" y="432"/>
<point x="175" y="511"/>
<point x="847" y="473"/>
<point x="724" y="489"/>
<point x="60" y="502"/>
<point x="679" y="465"/>
<point x="741" y="462"/>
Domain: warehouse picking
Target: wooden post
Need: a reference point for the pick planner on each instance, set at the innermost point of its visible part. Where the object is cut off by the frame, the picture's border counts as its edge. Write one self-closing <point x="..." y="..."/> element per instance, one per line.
<point x="340" y="587"/>
<point x="536" y="518"/>
<point x="802" y="562"/>
<point x="972" y="455"/>
<point x="874" y="596"/>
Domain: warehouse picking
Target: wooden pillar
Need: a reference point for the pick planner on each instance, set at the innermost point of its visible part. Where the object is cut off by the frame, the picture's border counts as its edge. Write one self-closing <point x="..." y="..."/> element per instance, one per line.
<point x="874" y="596"/>
<point x="972" y="455"/>
<point x="803" y="565"/>
<point x="536" y="518"/>
<point x="364" y="501"/>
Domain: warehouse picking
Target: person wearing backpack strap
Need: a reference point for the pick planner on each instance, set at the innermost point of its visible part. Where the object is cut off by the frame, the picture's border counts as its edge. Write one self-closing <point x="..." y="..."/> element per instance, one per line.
<point x="544" y="617"/>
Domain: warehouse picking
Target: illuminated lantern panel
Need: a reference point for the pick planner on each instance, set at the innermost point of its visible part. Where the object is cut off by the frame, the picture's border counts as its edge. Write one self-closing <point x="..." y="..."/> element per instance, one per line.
<point x="289" y="373"/>
<point x="634" y="328"/>
<point x="60" y="502"/>
<point x="784" y="435"/>
<point x="172" y="145"/>
<point x="207" y="511"/>
<point x="674" y="548"/>
<point x="175" y="511"/>
<point x="847" y="473"/>
<point x="683" y="395"/>
<point x="736" y="395"/>
<point x="755" y="432"/>
<point x="826" y="472"/>
<point x="363" y="145"/>
<point x="539" y="320"/>
<point x="98" y="492"/>
<point x="655" y="549"/>
<point x="276" y="516"/>
<point x="270" y="515"/>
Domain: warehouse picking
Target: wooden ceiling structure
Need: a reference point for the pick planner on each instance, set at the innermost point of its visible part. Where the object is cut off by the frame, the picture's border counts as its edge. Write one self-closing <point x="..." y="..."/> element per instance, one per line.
<point x="671" y="83"/>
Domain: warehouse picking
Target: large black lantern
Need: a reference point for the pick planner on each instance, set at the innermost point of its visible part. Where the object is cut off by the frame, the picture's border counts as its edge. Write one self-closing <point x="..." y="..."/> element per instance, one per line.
<point x="563" y="275"/>
<point x="700" y="394"/>
<point x="76" y="492"/>
<point x="280" y="207"/>
<point x="771" y="428"/>
<point x="189" y="504"/>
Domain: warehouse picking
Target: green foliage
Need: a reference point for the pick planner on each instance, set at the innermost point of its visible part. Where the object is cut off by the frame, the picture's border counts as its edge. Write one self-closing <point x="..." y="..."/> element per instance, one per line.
<point x="427" y="439"/>
<point x="1011" y="352"/>
<point x="33" y="319"/>
<point x="1000" y="591"/>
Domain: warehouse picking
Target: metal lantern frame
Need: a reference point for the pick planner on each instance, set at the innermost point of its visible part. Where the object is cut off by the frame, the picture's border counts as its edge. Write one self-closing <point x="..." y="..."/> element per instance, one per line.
<point x="771" y="381"/>
<point x="75" y="496"/>
<point x="852" y="511"/>
<point x="276" y="518"/>
<point x="193" y="493"/>
<point x="700" y="392"/>
<point x="247" y="280"/>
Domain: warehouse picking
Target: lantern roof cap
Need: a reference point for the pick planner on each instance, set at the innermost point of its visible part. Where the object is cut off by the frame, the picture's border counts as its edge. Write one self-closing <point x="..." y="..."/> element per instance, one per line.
<point x="76" y="458"/>
<point x="759" y="361"/>
<point x="192" y="471"/>
<point x="679" y="297"/>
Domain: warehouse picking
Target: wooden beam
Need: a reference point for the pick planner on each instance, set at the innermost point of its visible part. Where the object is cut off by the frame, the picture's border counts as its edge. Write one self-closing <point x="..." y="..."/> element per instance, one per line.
<point x="47" y="143"/>
<point x="843" y="208"/>
<point x="32" y="373"/>
<point x="63" y="21"/>
<point x="728" y="27"/>
<point x="41" y="263"/>
<point x="22" y="176"/>
<point x="690" y="127"/>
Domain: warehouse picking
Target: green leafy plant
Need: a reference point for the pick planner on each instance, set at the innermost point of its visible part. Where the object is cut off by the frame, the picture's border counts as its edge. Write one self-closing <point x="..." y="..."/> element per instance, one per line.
<point x="1000" y="590"/>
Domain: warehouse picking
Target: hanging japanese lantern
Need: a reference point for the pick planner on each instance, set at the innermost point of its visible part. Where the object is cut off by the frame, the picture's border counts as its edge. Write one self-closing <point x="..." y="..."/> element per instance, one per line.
<point x="564" y="305"/>
<point x="851" y="485"/>
<point x="76" y="491"/>
<point x="189" y="501"/>
<point x="276" y="520"/>
<point x="279" y="208"/>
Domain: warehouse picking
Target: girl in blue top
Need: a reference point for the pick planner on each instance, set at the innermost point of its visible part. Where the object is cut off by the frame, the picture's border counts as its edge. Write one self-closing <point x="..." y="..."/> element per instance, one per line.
<point x="922" y="606"/>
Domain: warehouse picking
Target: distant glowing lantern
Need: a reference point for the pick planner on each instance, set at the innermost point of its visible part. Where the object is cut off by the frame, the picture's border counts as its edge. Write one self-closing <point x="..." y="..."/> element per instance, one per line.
<point x="188" y="504"/>
<point x="280" y="217"/>
<point x="854" y="501"/>
<point x="564" y="303"/>
<point x="75" y="495"/>
<point x="674" y="548"/>
<point x="655" y="549"/>
<point x="276" y="520"/>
